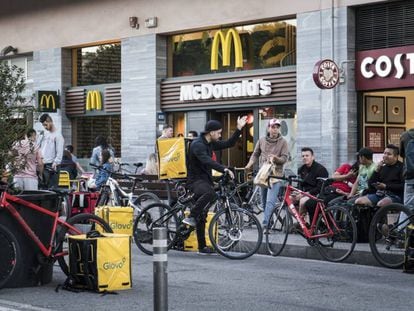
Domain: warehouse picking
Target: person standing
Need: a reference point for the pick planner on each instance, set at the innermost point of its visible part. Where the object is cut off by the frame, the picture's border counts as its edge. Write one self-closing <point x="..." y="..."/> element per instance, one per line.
<point x="167" y="132"/>
<point x="28" y="162"/>
<point x="192" y="134"/>
<point x="407" y="155"/>
<point x="51" y="145"/>
<point x="200" y="180"/>
<point x="272" y="148"/>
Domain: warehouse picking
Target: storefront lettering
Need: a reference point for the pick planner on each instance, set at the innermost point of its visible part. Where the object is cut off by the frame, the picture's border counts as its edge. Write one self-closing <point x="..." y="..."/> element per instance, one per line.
<point x="256" y="87"/>
<point x="384" y="65"/>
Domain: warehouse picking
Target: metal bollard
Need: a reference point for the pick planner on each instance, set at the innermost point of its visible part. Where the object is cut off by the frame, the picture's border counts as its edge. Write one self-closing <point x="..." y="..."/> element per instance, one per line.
<point x="160" y="264"/>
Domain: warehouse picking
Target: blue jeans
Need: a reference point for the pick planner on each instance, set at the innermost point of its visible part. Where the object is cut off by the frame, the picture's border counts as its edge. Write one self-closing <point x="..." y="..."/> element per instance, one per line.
<point x="270" y="196"/>
<point x="408" y="200"/>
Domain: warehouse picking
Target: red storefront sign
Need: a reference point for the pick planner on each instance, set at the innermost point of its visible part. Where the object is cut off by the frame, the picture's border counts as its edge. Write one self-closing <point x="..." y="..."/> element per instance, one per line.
<point x="385" y="68"/>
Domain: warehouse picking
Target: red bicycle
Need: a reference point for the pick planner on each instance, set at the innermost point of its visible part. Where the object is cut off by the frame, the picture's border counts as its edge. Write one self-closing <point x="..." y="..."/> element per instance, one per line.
<point x="54" y="244"/>
<point x="332" y="230"/>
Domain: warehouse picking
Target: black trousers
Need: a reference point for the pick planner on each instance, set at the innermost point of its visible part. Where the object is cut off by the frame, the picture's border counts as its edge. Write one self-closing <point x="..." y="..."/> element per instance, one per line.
<point x="204" y="195"/>
<point x="50" y="177"/>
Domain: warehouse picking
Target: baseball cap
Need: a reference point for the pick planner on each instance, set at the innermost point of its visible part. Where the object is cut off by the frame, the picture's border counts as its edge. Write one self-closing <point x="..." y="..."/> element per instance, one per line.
<point x="212" y="125"/>
<point x="365" y="152"/>
<point x="274" y="122"/>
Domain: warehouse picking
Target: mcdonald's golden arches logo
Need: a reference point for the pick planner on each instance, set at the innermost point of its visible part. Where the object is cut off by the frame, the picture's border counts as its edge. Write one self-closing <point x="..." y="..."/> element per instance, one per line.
<point x="93" y="100"/>
<point x="231" y="38"/>
<point x="48" y="101"/>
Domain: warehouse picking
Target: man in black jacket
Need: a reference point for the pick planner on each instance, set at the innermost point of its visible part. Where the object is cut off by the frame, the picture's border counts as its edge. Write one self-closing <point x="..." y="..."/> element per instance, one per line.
<point x="309" y="172"/>
<point x="200" y="180"/>
<point x="386" y="184"/>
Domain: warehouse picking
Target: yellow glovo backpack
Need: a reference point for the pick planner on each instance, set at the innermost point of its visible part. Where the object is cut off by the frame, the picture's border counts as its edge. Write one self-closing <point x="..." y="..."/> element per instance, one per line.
<point x="99" y="262"/>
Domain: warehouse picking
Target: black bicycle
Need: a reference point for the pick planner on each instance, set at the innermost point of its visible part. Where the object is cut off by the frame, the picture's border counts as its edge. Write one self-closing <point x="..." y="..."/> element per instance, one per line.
<point x="387" y="234"/>
<point x="231" y="231"/>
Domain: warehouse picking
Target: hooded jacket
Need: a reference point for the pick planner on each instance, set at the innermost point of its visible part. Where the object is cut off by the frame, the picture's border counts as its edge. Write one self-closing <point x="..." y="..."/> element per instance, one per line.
<point x="404" y="139"/>
<point x="200" y="162"/>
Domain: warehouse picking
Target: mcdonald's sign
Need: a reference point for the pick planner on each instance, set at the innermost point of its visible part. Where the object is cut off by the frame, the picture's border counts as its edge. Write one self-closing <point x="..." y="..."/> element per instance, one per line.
<point x="48" y="101"/>
<point x="93" y="100"/>
<point x="231" y="38"/>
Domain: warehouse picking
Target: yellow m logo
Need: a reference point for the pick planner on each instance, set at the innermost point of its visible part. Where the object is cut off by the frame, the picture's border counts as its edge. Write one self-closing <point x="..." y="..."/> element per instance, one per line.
<point x="47" y="99"/>
<point x="94" y="100"/>
<point x="232" y="38"/>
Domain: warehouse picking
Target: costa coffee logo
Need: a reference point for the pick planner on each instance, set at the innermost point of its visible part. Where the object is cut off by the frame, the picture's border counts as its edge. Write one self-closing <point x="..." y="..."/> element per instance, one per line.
<point x="326" y="74"/>
<point x="385" y="68"/>
<point x="384" y="65"/>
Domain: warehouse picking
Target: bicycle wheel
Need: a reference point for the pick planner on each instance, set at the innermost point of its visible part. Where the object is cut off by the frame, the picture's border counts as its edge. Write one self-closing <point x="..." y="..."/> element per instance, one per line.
<point x="144" y="199"/>
<point x="387" y="234"/>
<point x="10" y="255"/>
<point x="64" y="208"/>
<point x="338" y="246"/>
<point x="232" y="234"/>
<point x="155" y="215"/>
<point x="277" y="230"/>
<point x="83" y="224"/>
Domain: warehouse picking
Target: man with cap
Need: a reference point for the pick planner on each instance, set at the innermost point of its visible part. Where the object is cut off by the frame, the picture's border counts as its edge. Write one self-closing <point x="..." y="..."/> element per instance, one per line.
<point x="200" y="180"/>
<point x="366" y="168"/>
<point x="272" y="148"/>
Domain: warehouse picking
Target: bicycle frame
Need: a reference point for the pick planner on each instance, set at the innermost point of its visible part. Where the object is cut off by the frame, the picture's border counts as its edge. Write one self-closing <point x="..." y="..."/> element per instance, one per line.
<point x="46" y="250"/>
<point x="308" y="232"/>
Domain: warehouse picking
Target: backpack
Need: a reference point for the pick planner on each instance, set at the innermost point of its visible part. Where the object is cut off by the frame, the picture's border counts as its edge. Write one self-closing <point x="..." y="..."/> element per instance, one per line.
<point x="409" y="159"/>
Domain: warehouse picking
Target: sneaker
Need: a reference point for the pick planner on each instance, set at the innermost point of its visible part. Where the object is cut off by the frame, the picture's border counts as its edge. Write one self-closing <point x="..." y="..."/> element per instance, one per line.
<point x="206" y="251"/>
<point x="189" y="221"/>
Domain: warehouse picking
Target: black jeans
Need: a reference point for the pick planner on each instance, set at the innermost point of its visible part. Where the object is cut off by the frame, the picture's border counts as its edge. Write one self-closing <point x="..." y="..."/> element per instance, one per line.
<point x="50" y="177"/>
<point x="204" y="194"/>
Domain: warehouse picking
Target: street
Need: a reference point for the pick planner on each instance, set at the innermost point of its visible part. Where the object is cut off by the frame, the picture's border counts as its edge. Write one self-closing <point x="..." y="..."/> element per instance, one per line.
<point x="216" y="283"/>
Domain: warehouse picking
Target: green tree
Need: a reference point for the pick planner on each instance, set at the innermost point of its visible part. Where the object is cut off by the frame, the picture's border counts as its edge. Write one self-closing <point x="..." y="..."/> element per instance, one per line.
<point x="13" y="111"/>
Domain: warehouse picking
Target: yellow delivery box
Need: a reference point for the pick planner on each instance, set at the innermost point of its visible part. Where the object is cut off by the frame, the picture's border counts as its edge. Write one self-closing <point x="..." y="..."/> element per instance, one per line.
<point x="119" y="218"/>
<point x="171" y="153"/>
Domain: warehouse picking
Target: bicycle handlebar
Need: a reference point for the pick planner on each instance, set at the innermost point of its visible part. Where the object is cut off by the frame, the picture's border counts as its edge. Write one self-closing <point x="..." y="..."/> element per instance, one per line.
<point x="115" y="175"/>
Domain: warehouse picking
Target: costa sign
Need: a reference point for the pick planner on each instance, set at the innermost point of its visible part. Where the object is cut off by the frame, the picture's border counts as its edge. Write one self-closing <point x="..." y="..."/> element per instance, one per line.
<point x="231" y="38"/>
<point x="93" y="100"/>
<point x="245" y="88"/>
<point x="385" y="68"/>
<point x="326" y="74"/>
<point x="47" y="101"/>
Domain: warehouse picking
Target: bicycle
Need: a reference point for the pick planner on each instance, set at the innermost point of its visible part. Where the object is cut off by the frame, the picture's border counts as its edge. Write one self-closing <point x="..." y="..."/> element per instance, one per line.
<point x="332" y="230"/>
<point x="231" y="231"/>
<point x="112" y="193"/>
<point x="387" y="234"/>
<point x="58" y="229"/>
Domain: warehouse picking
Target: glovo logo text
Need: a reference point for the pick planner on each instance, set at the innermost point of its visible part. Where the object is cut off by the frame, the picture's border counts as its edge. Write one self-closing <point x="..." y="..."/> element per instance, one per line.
<point x="93" y="100"/>
<point x="117" y="225"/>
<point x="114" y="265"/>
<point x="46" y="100"/>
<point x="231" y="38"/>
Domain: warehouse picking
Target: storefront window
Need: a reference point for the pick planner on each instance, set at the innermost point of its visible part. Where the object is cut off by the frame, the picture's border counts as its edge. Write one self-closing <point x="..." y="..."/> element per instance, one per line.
<point x="266" y="45"/>
<point x="287" y="116"/>
<point x="87" y="128"/>
<point x="97" y="64"/>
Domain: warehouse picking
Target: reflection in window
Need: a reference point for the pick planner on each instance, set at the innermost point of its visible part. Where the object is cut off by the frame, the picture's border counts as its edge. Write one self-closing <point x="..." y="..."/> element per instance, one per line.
<point x="266" y="45"/>
<point x="98" y="64"/>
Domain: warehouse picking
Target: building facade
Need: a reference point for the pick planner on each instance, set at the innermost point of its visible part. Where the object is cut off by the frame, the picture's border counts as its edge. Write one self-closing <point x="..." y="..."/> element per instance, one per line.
<point x="122" y="69"/>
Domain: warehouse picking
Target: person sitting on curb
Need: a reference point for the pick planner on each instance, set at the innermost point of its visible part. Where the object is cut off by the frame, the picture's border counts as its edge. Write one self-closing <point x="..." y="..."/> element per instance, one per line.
<point x="386" y="184"/>
<point x="365" y="171"/>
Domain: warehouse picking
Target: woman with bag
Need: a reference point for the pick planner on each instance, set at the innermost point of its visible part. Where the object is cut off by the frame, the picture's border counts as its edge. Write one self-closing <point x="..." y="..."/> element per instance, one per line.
<point x="272" y="152"/>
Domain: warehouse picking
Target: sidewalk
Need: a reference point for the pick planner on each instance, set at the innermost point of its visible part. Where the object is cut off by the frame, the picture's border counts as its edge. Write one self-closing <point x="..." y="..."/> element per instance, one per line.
<point x="296" y="246"/>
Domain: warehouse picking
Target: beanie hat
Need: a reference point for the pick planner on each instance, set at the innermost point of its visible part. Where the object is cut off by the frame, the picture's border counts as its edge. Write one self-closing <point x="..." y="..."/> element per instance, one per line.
<point x="212" y="125"/>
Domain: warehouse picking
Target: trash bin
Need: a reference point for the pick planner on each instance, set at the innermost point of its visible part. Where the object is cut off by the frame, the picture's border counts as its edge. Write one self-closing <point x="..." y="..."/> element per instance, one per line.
<point x="35" y="269"/>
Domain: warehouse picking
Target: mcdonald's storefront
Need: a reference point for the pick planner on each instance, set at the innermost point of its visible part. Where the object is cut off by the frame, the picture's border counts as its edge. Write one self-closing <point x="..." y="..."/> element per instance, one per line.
<point x="223" y="73"/>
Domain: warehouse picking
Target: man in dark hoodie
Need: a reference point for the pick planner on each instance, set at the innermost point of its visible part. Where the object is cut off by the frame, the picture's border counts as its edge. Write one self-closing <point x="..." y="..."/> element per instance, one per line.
<point x="200" y="180"/>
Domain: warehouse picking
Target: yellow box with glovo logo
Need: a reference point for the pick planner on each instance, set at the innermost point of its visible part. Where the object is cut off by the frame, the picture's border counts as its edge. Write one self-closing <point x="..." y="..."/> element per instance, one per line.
<point x="101" y="263"/>
<point x="191" y="244"/>
<point x="172" y="158"/>
<point x="119" y="218"/>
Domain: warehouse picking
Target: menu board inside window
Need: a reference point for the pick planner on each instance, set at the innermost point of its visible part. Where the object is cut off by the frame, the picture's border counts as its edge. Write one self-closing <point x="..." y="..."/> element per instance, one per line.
<point x="375" y="138"/>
